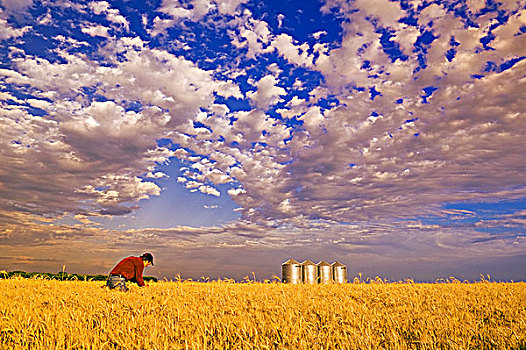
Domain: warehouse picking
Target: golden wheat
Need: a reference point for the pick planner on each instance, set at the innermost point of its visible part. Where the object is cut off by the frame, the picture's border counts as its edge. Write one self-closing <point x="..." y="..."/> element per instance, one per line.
<point x="49" y="314"/>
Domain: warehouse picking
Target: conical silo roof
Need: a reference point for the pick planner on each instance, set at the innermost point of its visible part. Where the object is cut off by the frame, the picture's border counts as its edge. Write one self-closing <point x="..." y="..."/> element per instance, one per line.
<point x="337" y="263"/>
<point x="323" y="263"/>
<point x="308" y="262"/>
<point x="290" y="262"/>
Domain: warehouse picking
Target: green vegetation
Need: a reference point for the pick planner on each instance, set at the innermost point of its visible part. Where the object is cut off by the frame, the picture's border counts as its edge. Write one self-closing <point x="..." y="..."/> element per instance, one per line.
<point x="62" y="276"/>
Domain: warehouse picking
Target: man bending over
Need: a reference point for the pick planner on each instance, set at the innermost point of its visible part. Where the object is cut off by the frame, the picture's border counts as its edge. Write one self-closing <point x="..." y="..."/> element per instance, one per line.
<point x="129" y="269"/>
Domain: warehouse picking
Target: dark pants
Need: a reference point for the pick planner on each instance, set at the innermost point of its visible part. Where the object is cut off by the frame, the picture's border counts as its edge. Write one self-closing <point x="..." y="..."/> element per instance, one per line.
<point x="117" y="282"/>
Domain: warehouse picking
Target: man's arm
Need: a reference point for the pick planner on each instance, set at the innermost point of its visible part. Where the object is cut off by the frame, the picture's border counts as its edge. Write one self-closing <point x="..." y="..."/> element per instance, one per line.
<point x="138" y="274"/>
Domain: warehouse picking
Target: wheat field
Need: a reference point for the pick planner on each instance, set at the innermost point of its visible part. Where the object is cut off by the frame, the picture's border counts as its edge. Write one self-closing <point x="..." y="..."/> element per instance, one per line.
<point x="50" y="314"/>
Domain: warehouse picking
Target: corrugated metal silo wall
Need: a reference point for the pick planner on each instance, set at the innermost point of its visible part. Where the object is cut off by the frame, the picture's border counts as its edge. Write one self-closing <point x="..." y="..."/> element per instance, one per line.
<point x="339" y="272"/>
<point x="291" y="272"/>
<point x="324" y="272"/>
<point x="309" y="272"/>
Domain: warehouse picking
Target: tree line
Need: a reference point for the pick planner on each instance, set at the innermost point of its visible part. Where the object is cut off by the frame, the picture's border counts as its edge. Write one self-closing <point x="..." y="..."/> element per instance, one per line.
<point x="62" y="275"/>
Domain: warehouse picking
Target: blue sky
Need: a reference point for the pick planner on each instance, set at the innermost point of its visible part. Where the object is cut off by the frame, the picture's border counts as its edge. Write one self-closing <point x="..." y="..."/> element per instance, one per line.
<point x="226" y="136"/>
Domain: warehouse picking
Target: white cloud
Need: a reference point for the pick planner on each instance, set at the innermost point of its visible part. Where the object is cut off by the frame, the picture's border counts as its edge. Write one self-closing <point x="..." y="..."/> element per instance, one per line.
<point x="209" y="190"/>
<point x="7" y="31"/>
<point x="112" y="15"/>
<point x="318" y="34"/>
<point x="178" y="10"/>
<point x="254" y="35"/>
<point x="229" y="7"/>
<point x="99" y="7"/>
<point x="156" y="175"/>
<point x="267" y="93"/>
<point x="16" y="5"/>
<point x="236" y="191"/>
<point x="296" y="54"/>
<point x="42" y="104"/>
<point x="115" y="17"/>
<point x="387" y="12"/>
<point x="97" y="31"/>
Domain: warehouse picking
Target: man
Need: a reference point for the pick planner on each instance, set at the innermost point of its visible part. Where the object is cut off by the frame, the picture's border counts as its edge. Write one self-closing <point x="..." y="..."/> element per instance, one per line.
<point x="129" y="269"/>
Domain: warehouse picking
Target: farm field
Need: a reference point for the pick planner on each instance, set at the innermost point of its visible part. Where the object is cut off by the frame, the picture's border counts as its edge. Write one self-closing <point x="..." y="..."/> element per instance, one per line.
<point x="51" y="314"/>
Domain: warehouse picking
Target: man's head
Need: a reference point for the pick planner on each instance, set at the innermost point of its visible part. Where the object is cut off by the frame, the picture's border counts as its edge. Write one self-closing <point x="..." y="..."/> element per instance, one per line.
<point x="147" y="258"/>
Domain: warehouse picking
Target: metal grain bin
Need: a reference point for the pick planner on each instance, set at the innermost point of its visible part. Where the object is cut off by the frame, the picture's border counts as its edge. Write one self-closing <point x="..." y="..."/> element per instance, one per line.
<point x="309" y="272"/>
<point x="291" y="272"/>
<point x="339" y="271"/>
<point x="324" y="272"/>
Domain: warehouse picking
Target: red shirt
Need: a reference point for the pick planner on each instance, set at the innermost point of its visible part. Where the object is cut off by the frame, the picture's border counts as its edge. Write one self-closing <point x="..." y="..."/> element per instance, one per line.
<point x="131" y="268"/>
